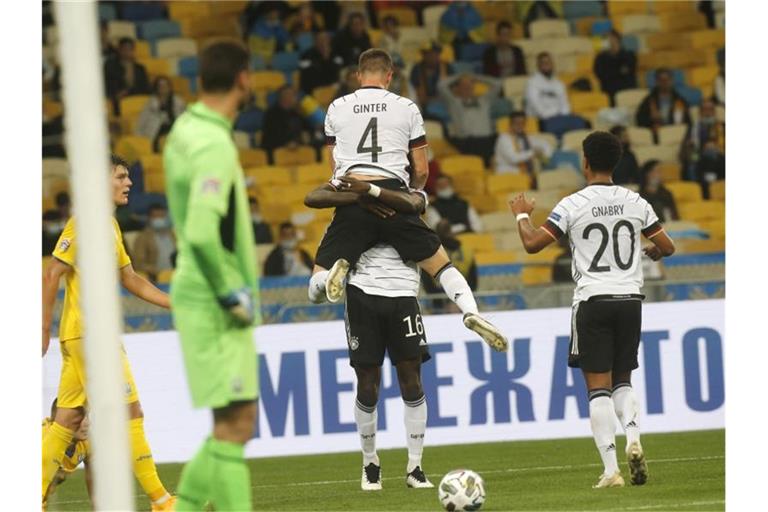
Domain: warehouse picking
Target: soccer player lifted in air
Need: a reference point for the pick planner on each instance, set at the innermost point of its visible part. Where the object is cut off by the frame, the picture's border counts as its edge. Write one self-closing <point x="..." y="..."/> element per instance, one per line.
<point x="215" y="286"/>
<point x="604" y="222"/>
<point x="72" y="384"/>
<point x="371" y="133"/>
<point x="382" y="314"/>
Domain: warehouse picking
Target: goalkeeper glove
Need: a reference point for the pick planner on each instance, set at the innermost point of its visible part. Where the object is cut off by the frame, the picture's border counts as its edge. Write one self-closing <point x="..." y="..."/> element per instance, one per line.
<point x="239" y="303"/>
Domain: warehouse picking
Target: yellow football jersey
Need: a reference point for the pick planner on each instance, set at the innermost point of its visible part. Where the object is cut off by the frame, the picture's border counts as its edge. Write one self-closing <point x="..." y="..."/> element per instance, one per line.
<point x="66" y="248"/>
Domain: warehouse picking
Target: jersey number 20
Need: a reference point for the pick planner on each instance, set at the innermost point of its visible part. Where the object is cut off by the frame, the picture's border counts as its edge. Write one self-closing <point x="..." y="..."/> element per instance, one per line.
<point x="595" y="266"/>
<point x="373" y="149"/>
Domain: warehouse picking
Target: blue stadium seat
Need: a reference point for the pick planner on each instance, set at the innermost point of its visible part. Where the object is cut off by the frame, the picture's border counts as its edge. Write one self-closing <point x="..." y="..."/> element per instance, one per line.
<point x="564" y="159"/>
<point x="141" y="203"/>
<point x="258" y="63"/>
<point x="142" y="11"/>
<point x="158" y="29"/>
<point x="107" y="12"/>
<point x="558" y="125"/>
<point x="582" y="9"/>
<point x="188" y="66"/>
<point x="305" y="41"/>
<point x="437" y="110"/>
<point x="630" y="42"/>
<point x="692" y="95"/>
<point x="250" y="121"/>
<point x="601" y="27"/>
<point x="287" y="62"/>
<point x="678" y="77"/>
<point x="472" y="52"/>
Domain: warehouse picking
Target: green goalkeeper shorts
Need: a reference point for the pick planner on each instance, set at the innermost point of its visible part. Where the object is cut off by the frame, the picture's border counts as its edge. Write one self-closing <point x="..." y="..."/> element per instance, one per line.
<point x="220" y="357"/>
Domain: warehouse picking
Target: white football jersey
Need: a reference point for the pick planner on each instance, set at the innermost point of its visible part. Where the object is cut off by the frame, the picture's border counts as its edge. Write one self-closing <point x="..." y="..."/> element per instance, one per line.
<point x="372" y="131"/>
<point x="604" y="223"/>
<point x="381" y="271"/>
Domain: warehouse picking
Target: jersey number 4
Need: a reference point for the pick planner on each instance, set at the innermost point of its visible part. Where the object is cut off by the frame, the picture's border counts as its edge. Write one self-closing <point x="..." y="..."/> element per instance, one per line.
<point x="373" y="149"/>
<point x="595" y="266"/>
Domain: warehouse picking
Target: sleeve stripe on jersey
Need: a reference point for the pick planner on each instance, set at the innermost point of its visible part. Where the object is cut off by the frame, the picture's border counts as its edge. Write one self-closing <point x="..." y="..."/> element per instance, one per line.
<point x="330" y="141"/>
<point x="552" y="230"/>
<point x="652" y="230"/>
<point x="418" y="142"/>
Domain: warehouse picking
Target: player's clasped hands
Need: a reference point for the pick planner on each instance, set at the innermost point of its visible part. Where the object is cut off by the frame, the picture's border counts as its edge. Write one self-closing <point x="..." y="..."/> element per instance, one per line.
<point x="354" y="185"/>
<point x="239" y="303"/>
<point x="521" y="204"/>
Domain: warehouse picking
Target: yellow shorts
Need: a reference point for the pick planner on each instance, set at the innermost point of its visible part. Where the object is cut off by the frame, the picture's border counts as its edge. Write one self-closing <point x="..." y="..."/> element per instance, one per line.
<point x="72" y="391"/>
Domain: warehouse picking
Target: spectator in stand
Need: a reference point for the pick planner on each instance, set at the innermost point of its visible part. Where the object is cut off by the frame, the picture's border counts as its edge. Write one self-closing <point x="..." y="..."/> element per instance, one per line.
<point x="517" y="152"/>
<point x="269" y="28"/>
<point x="615" y="67"/>
<point x="434" y="172"/>
<point x="319" y="66"/>
<point x="720" y="79"/>
<point x="284" y="124"/>
<point x="262" y="234"/>
<point x="352" y="40"/>
<point x="108" y="50"/>
<point x="653" y="191"/>
<point x="305" y="20"/>
<point x="63" y="205"/>
<point x="426" y="74"/>
<point x="123" y="75"/>
<point x="627" y="170"/>
<point x="154" y="246"/>
<point x="452" y="208"/>
<point x="161" y="110"/>
<point x="545" y="95"/>
<point x="504" y="58"/>
<point x="463" y="258"/>
<point x="471" y="127"/>
<point x="390" y="39"/>
<point x="349" y="83"/>
<point x="663" y="105"/>
<point x="53" y="225"/>
<point x="460" y="23"/>
<point x="703" y="149"/>
<point x="287" y="259"/>
<point x="399" y="84"/>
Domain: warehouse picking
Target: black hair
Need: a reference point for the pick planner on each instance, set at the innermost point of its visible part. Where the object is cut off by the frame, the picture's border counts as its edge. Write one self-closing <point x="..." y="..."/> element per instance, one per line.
<point x="62" y="199"/>
<point x="615" y="33"/>
<point x="118" y="161"/>
<point x="354" y="15"/>
<point x="252" y="200"/>
<point x="602" y="150"/>
<point x="54" y="406"/>
<point x="156" y="81"/>
<point x="617" y="130"/>
<point x="286" y="225"/>
<point x="126" y="40"/>
<point x="157" y="206"/>
<point x="501" y="25"/>
<point x="51" y="215"/>
<point x="515" y="114"/>
<point x="541" y="55"/>
<point x="661" y="71"/>
<point x="220" y="64"/>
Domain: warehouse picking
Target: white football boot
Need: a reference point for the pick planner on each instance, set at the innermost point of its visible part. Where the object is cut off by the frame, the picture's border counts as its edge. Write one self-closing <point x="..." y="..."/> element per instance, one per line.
<point x="490" y="334"/>
<point x="371" y="479"/>
<point x="416" y="479"/>
<point x="334" y="283"/>
<point x="614" y="480"/>
<point x="638" y="468"/>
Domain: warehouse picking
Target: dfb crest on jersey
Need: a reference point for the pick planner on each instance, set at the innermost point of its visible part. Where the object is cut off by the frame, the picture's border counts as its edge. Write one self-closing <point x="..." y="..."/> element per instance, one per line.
<point x="353" y="342"/>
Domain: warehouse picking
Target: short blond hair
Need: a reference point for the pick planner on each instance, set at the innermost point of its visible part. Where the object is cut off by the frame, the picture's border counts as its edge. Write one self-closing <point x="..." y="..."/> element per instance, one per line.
<point x="375" y="60"/>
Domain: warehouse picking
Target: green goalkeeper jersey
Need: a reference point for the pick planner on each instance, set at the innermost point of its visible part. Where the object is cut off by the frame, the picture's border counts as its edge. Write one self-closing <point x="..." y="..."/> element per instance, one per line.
<point x="209" y="207"/>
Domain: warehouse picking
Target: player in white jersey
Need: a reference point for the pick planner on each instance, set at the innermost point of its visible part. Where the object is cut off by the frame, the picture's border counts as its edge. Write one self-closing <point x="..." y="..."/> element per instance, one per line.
<point x="382" y="314"/>
<point x="603" y="223"/>
<point x="372" y="133"/>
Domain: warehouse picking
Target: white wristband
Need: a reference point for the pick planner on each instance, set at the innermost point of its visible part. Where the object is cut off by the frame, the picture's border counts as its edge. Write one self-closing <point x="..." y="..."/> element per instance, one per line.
<point x="374" y="190"/>
<point x="521" y="216"/>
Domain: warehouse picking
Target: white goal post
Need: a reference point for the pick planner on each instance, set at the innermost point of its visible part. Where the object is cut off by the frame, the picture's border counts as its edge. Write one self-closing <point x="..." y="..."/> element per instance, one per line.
<point x="88" y="151"/>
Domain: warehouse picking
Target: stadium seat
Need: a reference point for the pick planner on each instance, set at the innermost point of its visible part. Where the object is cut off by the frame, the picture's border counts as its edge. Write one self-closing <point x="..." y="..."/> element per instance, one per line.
<point x="566" y="159"/>
<point x="539" y="274"/>
<point x="431" y="18"/>
<point x="559" y="125"/>
<point x="574" y="10"/>
<point x="702" y="210"/>
<point x="560" y="179"/>
<point x="672" y="134"/>
<point x="151" y="164"/>
<point x="573" y="139"/>
<point x="165" y="276"/>
<point x="684" y="191"/>
<point x="242" y="139"/>
<point x="159" y="29"/>
<point x="622" y="7"/>
<point x="601" y="27"/>
<point x="299" y="155"/>
<point x="702" y="77"/>
<point x="156" y="67"/>
<point x="478" y="242"/>
<point x="638" y="23"/>
<point x="706" y="38"/>
<point x="508" y="182"/>
<point x="498" y="222"/>
<point x="549" y="28"/>
<point x="583" y="102"/>
<point x="154" y="183"/>
<point x="313" y="173"/>
<point x="133" y="147"/>
<point x="692" y="95"/>
<point x="514" y="87"/>
<point x="631" y="99"/>
<point x="267" y="80"/>
<point x="252" y="158"/>
<point x="434" y="130"/>
<point x="663" y="41"/>
<point x="287" y="62"/>
<point x="406" y="16"/>
<point x="226" y="26"/>
<point x="715" y="228"/>
<point x="441" y="148"/>
<point x="175" y="48"/>
<point x="469" y="184"/>
<point x="52" y="185"/>
<point x="108" y="12"/>
<point x="117" y="29"/>
<point x="325" y="94"/>
<point x="55" y="167"/>
<point x="670" y="171"/>
<point x="639" y="136"/>
<point x="188" y="66"/>
<point x="497" y="257"/>
<point x="717" y="190"/>
<point x="250" y="121"/>
<point x="462" y="164"/>
<point x="268" y="176"/>
<point x="676" y="22"/>
<point x="631" y="42"/>
<point x="140" y="11"/>
<point x="656" y="152"/>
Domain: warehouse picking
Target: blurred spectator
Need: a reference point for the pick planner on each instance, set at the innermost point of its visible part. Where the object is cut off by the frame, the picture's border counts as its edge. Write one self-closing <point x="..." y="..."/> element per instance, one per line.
<point x="64" y="205"/>
<point x="352" y="40"/>
<point x="262" y="234"/>
<point x="154" y="246"/>
<point x="462" y="258"/>
<point x="399" y="84"/>
<point x="268" y="27"/>
<point x="426" y="74"/>
<point x="390" y="40"/>
<point x="123" y="75"/>
<point x="304" y="20"/>
<point x="452" y="208"/>
<point x="161" y="110"/>
<point x="627" y="170"/>
<point x="516" y="151"/>
<point x="108" y="50"/>
<point x="460" y="23"/>
<point x="703" y="149"/>
<point x="503" y="59"/>
<point x="663" y="105"/>
<point x="53" y="225"/>
<point x="287" y="259"/>
<point x="319" y="66"/>
<point x="615" y="67"/>
<point x="434" y="172"/>
<point x="545" y="95"/>
<point x="471" y="127"/>
<point x="284" y="123"/>
<point x="561" y="268"/>
<point x="653" y="191"/>
<point x="720" y="79"/>
<point x="349" y="82"/>
<point x="539" y="10"/>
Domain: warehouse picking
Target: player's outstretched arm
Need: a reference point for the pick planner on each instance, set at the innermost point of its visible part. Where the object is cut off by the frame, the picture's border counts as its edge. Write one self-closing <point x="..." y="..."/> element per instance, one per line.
<point x="51" y="277"/>
<point x="404" y="202"/>
<point x="662" y="245"/>
<point x="534" y="239"/>
<point x="142" y="288"/>
<point x="327" y="196"/>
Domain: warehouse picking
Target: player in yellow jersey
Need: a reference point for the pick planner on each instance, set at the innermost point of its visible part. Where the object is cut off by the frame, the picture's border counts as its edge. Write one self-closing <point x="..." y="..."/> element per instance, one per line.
<point x="72" y="384"/>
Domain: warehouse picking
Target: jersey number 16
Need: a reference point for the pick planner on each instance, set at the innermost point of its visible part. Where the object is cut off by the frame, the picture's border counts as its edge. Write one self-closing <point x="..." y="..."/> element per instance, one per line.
<point x="373" y="149"/>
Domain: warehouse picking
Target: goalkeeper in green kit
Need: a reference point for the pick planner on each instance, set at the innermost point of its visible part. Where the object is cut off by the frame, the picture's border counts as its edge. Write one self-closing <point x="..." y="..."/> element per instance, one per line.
<point x="214" y="291"/>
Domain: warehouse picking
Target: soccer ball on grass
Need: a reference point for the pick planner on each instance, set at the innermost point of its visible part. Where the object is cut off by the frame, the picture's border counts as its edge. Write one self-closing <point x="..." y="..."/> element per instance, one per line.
<point x="461" y="489"/>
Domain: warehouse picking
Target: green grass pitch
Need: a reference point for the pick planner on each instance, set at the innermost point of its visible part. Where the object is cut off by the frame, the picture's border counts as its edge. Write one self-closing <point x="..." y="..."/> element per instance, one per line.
<point x="687" y="472"/>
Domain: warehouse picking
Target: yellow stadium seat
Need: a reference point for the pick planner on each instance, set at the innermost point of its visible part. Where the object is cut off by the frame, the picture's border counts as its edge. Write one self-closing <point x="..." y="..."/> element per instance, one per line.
<point x="701" y="246"/>
<point x="667" y="153"/>
<point x="274" y="213"/>
<point x="702" y="210"/>
<point x="478" y="242"/>
<point x="702" y="76"/>
<point x="674" y="22"/>
<point x="715" y="228"/>
<point x="684" y="191"/>
<point x="706" y="38"/>
<point x="639" y="136"/>
<point x="663" y="41"/>
<point x="131" y="106"/>
<point x="572" y="140"/>
<point x="227" y="8"/>
<point x="156" y="67"/>
<point x="268" y="175"/>
<point x="670" y="171"/>
<point x="533" y="275"/>
<point x="117" y="29"/>
<point x="637" y="23"/>
<point x="469" y="184"/>
<point x="242" y="139"/>
<point x="717" y="190"/>
<point x="252" y="157"/>
<point x="313" y="173"/>
<point x="406" y="16"/>
<point x="560" y="179"/>
<point x="549" y="28"/>
<point x="299" y="155"/>
<point x="324" y="95"/>
<point x="617" y="7"/>
<point x="154" y="183"/>
<point x="181" y="86"/>
<point x="496" y="222"/>
<point x="152" y="164"/>
<point x="486" y="203"/>
<point x="133" y="147"/>
<point x="175" y="47"/>
<point x="496" y="257"/>
<point x="52" y="185"/>
<point x="673" y="6"/>
<point x="434" y="130"/>
<point x="514" y="86"/>
<point x="267" y="80"/>
<point x="441" y="148"/>
<point x="588" y="101"/>
<point x="165" y="276"/>
<point x="142" y="50"/>
<point x="672" y="134"/>
<point x="631" y="99"/>
<point x="226" y="26"/>
<point x="462" y="164"/>
<point x="182" y="9"/>
<point x="498" y="183"/>
<point x="55" y="167"/>
<point x="279" y="194"/>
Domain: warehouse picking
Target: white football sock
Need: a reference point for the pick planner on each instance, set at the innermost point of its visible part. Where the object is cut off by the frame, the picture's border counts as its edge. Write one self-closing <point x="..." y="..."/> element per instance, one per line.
<point x="366" y="417"/>
<point x="625" y="404"/>
<point x="415" y="426"/>
<point x="457" y="289"/>
<point x="316" y="290"/>
<point x="603" y="421"/>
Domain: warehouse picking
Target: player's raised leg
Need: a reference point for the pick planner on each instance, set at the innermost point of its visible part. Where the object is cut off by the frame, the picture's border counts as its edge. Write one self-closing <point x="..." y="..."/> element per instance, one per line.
<point x="626" y="407"/>
<point x="415" y="415"/>
<point x="603" y="421"/>
<point x="368" y="380"/>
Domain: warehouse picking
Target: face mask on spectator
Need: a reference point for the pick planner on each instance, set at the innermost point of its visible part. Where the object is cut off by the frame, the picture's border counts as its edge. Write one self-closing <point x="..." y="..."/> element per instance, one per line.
<point x="289" y="245"/>
<point x="445" y="193"/>
<point x="54" y="228"/>
<point x="159" y="223"/>
<point x="654" y="181"/>
<point x="257" y="218"/>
